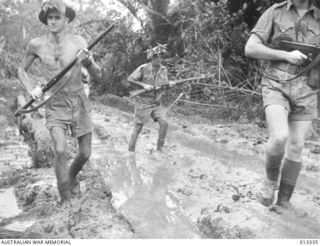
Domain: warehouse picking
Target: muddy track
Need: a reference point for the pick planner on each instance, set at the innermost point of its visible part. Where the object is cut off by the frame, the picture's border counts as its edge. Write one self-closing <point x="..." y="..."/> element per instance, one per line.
<point x="202" y="186"/>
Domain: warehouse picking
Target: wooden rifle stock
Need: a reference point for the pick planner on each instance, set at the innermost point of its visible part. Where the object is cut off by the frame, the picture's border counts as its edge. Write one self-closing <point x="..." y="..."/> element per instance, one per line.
<point x="56" y="78"/>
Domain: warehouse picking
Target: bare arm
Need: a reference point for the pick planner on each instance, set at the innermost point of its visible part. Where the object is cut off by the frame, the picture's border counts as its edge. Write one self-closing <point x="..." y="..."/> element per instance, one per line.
<point x="136" y="77"/>
<point x="24" y="66"/>
<point x="256" y="49"/>
<point x="88" y="61"/>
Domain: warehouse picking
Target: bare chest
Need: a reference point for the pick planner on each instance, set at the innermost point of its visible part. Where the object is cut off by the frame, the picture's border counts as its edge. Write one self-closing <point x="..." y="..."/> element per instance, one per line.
<point x="57" y="56"/>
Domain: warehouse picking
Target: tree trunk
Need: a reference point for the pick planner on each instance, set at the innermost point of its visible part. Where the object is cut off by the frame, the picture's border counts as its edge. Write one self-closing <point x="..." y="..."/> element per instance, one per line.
<point x="36" y="135"/>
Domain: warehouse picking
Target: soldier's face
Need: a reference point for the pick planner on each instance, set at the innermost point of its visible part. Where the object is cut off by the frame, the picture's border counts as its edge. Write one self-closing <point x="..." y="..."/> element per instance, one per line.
<point x="56" y="21"/>
<point x="156" y="60"/>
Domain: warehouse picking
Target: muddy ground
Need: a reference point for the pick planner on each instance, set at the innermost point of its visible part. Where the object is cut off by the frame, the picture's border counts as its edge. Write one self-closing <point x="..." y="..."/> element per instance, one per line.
<point x="201" y="186"/>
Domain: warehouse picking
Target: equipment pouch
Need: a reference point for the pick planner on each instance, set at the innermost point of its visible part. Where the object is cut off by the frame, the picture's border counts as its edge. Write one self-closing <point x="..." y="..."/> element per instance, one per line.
<point x="314" y="77"/>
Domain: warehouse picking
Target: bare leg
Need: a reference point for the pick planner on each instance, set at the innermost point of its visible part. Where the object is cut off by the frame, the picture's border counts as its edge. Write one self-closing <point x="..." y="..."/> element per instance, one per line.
<point x="298" y="132"/>
<point x="83" y="155"/>
<point x="60" y="163"/>
<point x="277" y="118"/>
<point x="134" y="136"/>
<point x="163" y="127"/>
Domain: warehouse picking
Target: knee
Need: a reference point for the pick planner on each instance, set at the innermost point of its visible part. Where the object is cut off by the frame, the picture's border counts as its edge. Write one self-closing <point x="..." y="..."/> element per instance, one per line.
<point x="163" y="122"/>
<point x="279" y="139"/>
<point x="85" y="154"/>
<point x="60" y="150"/>
<point x="295" y="146"/>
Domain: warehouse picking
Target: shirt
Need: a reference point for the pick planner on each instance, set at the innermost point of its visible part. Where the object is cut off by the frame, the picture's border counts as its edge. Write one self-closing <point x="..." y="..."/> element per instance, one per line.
<point x="281" y="21"/>
<point x="145" y="74"/>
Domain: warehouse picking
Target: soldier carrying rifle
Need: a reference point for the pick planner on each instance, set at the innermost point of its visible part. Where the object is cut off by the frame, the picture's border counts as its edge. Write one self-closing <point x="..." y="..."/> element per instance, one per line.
<point x="148" y="105"/>
<point x="290" y="101"/>
<point x="70" y="107"/>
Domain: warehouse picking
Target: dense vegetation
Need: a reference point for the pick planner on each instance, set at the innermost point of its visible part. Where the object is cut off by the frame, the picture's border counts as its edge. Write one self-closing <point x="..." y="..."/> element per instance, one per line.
<point x="203" y="37"/>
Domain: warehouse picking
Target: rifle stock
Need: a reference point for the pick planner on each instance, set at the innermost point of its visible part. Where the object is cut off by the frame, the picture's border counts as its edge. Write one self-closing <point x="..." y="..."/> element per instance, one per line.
<point x="56" y="78"/>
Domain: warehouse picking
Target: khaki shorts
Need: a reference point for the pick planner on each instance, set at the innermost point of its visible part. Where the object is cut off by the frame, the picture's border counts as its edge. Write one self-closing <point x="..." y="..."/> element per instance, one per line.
<point x="295" y="96"/>
<point x="143" y="113"/>
<point x="70" y="110"/>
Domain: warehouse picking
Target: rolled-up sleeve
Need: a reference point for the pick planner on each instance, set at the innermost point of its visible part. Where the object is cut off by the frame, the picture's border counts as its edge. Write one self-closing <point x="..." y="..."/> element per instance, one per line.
<point x="137" y="74"/>
<point x="263" y="28"/>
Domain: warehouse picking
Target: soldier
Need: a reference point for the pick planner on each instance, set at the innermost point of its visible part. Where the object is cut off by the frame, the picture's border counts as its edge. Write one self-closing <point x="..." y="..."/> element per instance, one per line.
<point x="290" y="106"/>
<point x="148" y="105"/>
<point x="70" y="107"/>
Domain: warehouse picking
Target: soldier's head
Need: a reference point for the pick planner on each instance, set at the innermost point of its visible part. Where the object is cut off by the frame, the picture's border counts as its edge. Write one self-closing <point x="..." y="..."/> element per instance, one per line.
<point x="56" y="15"/>
<point x="156" y="54"/>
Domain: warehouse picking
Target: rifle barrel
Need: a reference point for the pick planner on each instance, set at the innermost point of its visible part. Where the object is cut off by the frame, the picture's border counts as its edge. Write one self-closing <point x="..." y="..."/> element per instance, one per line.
<point x="297" y="45"/>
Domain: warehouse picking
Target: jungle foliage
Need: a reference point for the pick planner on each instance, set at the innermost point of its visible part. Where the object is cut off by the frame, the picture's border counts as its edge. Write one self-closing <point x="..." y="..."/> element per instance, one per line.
<point x="203" y="37"/>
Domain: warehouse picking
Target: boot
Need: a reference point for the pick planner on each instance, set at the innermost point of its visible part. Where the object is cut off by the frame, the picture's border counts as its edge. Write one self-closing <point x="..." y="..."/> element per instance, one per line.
<point x="284" y="195"/>
<point x="75" y="187"/>
<point x="64" y="191"/>
<point x="265" y="193"/>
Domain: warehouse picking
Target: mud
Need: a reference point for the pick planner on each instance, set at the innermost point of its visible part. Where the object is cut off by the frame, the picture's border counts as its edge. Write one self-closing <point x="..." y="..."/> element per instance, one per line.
<point x="201" y="186"/>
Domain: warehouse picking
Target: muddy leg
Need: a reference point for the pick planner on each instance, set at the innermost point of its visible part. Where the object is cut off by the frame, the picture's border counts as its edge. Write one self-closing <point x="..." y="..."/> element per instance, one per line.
<point x="134" y="136"/>
<point x="60" y="162"/>
<point x="163" y="127"/>
<point x="83" y="155"/>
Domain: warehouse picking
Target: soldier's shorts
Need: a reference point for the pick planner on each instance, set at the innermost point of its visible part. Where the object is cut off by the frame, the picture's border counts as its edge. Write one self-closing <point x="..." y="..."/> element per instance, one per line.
<point x="143" y="113"/>
<point x="295" y="96"/>
<point x="70" y="110"/>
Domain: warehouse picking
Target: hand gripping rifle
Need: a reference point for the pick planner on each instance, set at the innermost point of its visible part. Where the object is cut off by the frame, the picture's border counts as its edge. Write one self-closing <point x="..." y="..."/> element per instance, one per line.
<point x="167" y="85"/>
<point x="313" y="54"/>
<point x="56" y="78"/>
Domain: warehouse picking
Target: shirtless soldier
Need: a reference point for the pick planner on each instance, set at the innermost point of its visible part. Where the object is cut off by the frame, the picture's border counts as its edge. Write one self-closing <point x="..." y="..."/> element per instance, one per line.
<point x="69" y="108"/>
<point x="290" y="106"/>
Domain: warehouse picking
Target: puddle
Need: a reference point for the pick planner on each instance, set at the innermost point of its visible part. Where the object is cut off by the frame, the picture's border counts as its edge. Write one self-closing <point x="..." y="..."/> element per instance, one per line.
<point x="8" y="203"/>
<point x="19" y="225"/>
<point x="140" y="191"/>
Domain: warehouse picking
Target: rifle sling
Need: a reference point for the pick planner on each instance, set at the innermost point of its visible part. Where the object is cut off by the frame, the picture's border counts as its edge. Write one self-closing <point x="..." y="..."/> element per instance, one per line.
<point x="305" y="70"/>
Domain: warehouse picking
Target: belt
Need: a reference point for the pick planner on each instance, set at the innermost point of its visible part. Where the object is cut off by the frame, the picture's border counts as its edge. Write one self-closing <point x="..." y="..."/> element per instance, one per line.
<point x="286" y="67"/>
<point x="67" y="94"/>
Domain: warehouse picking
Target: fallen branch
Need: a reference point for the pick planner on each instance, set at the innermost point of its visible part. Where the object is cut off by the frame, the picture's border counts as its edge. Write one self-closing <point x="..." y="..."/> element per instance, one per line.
<point x="233" y="88"/>
<point x="207" y="105"/>
<point x="36" y="135"/>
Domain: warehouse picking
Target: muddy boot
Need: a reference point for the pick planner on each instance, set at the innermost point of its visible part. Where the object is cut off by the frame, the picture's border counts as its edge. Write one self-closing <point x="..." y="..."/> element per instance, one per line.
<point x="64" y="191"/>
<point x="284" y="195"/>
<point x="134" y="136"/>
<point x="289" y="175"/>
<point x="265" y="193"/>
<point x="160" y="145"/>
<point x="75" y="187"/>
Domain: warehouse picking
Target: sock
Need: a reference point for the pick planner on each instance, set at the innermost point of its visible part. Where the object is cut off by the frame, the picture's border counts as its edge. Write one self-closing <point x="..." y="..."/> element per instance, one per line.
<point x="289" y="176"/>
<point x="273" y="164"/>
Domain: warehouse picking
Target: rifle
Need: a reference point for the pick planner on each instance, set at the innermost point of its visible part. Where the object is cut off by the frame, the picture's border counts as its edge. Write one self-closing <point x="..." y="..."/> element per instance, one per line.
<point x="313" y="53"/>
<point x="56" y="78"/>
<point x="167" y="85"/>
<point x="309" y="50"/>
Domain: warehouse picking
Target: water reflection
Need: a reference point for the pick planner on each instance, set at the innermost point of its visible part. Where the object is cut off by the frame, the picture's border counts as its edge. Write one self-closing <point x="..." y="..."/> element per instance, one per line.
<point x="144" y="199"/>
<point x="8" y="203"/>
